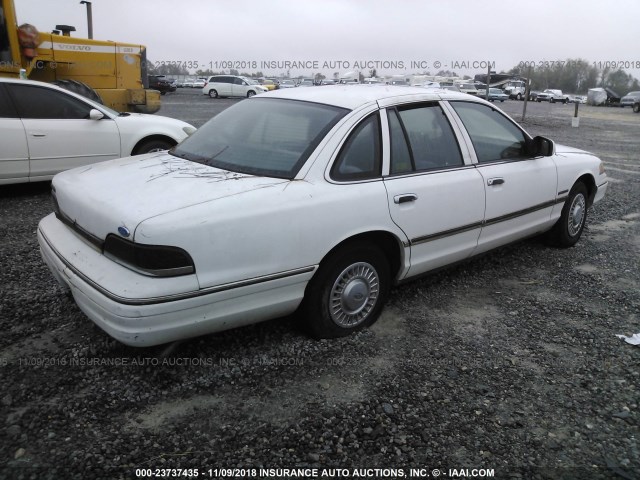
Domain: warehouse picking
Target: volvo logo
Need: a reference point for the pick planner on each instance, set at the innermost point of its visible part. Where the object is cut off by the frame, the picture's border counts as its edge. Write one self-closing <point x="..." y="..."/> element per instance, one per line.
<point x="124" y="231"/>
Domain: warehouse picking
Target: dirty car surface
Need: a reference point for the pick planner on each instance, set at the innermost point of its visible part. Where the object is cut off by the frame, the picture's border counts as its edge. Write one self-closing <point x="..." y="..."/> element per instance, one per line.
<point x="309" y="199"/>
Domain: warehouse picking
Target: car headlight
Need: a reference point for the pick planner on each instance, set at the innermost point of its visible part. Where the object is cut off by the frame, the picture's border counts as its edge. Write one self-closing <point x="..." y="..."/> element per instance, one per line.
<point x="189" y="130"/>
<point x="153" y="260"/>
<point x="601" y="168"/>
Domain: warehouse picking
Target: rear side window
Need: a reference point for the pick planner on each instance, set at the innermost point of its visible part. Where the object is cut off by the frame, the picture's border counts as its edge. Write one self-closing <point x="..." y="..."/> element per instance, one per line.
<point x="360" y="157"/>
<point x="422" y="139"/>
<point x="40" y="102"/>
<point x="494" y="137"/>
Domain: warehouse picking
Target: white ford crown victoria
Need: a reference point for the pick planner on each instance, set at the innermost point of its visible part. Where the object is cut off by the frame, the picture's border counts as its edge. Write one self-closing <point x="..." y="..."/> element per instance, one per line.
<point x="316" y="199"/>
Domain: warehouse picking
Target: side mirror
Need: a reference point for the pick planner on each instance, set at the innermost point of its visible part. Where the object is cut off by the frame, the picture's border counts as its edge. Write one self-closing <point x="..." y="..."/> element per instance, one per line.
<point x="95" y="114"/>
<point x="540" y="147"/>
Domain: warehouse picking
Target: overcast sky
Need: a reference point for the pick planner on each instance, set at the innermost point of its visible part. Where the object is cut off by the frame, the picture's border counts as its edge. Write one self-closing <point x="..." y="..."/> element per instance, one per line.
<point x="365" y="31"/>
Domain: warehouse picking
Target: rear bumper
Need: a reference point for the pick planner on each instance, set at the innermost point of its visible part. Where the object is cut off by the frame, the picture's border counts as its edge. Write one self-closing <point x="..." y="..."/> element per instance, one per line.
<point x="153" y="320"/>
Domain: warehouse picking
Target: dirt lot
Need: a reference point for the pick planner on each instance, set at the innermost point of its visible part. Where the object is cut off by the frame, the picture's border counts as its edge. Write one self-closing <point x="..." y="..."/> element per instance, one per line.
<point x="509" y="362"/>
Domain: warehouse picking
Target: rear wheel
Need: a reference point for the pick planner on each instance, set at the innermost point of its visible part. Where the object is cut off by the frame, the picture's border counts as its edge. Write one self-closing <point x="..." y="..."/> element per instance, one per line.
<point x="567" y="231"/>
<point x="636" y="107"/>
<point x="213" y="93"/>
<point x="79" y="88"/>
<point x="347" y="292"/>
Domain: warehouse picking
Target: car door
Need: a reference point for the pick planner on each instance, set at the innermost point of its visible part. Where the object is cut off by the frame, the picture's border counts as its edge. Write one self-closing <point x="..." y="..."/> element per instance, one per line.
<point x="223" y="86"/>
<point x="240" y="87"/>
<point x="14" y="154"/>
<point x="60" y="135"/>
<point x="520" y="190"/>
<point x="434" y="195"/>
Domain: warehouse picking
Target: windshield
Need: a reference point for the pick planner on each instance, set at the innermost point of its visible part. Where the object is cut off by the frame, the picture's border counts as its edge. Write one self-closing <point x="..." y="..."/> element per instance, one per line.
<point x="267" y="137"/>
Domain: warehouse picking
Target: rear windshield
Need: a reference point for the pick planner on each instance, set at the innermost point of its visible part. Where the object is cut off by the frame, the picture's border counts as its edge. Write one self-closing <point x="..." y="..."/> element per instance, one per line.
<point x="266" y="137"/>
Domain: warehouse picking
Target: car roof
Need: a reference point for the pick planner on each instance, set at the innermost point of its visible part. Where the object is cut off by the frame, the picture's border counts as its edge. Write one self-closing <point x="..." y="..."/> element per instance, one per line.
<point x="354" y="96"/>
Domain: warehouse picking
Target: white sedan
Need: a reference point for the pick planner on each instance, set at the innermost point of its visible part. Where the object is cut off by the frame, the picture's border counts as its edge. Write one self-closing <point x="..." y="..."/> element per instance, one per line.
<point x="45" y="130"/>
<point x="316" y="200"/>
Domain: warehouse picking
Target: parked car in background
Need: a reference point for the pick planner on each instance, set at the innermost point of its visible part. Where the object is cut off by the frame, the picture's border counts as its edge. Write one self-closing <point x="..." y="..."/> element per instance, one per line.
<point x="307" y="82"/>
<point x="232" y="86"/>
<point x="630" y="99"/>
<point x="45" y="130"/>
<point x="268" y="84"/>
<point x="187" y="84"/>
<point x="246" y="219"/>
<point x="199" y="83"/>
<point x="451" y="88"/>
<point x="162" y="84"/>
<point x="533" y="95"/>
<point x="469" y="88"/>
<point x="552" y="96"/>
<point x="495" y="94"/>
<point x="576" y="99"/>
<point x="287" y="83"/>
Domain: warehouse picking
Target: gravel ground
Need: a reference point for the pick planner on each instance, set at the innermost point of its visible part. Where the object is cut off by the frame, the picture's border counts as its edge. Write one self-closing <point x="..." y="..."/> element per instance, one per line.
<point x="508" y="362"/>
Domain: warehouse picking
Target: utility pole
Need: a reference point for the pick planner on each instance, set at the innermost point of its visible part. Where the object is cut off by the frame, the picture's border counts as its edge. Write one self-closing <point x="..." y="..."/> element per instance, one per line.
<point x="89" y="17"/>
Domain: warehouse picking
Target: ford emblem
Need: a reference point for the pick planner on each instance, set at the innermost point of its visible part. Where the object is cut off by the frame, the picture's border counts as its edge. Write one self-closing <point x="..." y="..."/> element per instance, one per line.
<point x="124" y="231"/>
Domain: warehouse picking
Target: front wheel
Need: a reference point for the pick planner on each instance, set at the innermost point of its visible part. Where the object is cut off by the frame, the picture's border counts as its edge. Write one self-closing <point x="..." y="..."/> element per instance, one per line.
<point x="250" y="93"/>
<point x="567" y="231"/>
<point x="150" y="146"/>
<point x="636" y="107"/>
<point x="347" y="292"/>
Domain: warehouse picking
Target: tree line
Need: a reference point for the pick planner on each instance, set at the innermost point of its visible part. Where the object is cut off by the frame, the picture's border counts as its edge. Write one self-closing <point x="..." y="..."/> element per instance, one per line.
<point x="576" y="76"/>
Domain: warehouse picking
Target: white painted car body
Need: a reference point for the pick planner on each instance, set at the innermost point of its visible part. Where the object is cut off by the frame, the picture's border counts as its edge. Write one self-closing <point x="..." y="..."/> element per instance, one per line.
<point x="35" y="149"/>
<point x="258" y="241"/>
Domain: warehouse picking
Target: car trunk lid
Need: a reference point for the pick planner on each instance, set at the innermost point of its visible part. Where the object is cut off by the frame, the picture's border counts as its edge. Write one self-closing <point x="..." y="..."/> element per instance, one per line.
<point x="120" y="194"/>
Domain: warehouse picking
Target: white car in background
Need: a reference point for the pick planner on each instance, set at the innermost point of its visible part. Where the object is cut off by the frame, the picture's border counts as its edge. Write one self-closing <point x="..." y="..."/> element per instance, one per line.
<point x="232" y="86"/>
<point x="318" y="199"/>
<point x="45" y="129"/>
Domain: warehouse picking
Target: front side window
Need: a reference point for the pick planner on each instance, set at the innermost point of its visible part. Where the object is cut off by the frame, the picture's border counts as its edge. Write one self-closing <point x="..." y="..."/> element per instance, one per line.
<point x="41" y="103"/>
<point x="494" y="137"/>
<point x="360" y="157"/>
<point x="268" y="137"/>
<point x="422" y="139"/>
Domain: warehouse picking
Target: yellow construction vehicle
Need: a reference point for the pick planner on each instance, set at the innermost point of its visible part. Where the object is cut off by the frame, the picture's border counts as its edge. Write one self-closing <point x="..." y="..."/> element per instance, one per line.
<point x="114" y="72"/>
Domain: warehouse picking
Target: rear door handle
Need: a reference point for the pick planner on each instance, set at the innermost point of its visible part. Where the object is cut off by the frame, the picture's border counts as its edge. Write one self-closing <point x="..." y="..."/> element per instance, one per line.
<point x="405" y="197"/>
<point x="495" y="181"/>
<point x="38" y="134"/>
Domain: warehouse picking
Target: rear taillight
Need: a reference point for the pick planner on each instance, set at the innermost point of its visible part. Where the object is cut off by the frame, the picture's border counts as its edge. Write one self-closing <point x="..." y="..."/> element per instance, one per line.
<point x="153" y="260"/>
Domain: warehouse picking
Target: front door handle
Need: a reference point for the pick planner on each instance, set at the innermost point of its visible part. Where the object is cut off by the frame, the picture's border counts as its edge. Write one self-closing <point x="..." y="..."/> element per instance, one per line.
<point x="495" y="181"/>
<point x="405" y="197"/>
<point x="38" y="134"/>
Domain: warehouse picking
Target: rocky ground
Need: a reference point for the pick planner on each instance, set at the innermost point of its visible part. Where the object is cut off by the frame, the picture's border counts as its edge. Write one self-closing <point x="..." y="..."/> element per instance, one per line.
<point x="509" y="362"/>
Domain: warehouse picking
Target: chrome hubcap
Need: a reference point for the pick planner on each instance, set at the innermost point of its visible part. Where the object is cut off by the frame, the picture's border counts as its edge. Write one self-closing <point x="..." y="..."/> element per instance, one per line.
<point x="576" y="214"/>
<point x="354" y="294"/>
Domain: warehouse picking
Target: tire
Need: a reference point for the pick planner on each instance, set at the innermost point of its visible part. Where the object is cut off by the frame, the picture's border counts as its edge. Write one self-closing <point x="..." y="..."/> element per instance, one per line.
<point x="636" y="107"/>
<point x="518" y="97"/>
<point x="79" y="88"/>
<point x="537" y="100"/>
<point x="153" y="145"/>
<point x="569" y="227"/>
<point x="250" y="93"/>
<point x="347" y="292"/>
<point x="213" y="93"/>
<point x="552" y="100"/>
